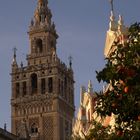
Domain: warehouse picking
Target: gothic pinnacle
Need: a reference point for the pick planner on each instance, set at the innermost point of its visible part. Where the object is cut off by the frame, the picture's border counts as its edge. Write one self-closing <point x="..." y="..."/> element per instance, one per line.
<point x="42" y="3"/>
<point x="14" y="56"/>
<point x="70" y="61"/>
<point x="90" y="89"/>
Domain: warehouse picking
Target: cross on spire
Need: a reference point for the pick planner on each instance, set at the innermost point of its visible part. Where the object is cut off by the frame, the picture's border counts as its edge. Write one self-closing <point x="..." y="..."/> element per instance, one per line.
<point x="112" y="6"/>
<point x="70" y="61"/>
<point x="14" y="56"/>
<point x="14" y="50"/>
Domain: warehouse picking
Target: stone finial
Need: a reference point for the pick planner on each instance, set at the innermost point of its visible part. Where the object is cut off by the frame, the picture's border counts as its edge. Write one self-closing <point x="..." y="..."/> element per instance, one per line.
<point x="122" y="30"/>
<point x="14" y="56"/>
<point x="121" y="24"/>
<point x="90" y="89"/>
<point x="112" y="17"/>
<point x="70" y="61"/>
<point x="112" y="24"/>
<point x="120" y="21"/>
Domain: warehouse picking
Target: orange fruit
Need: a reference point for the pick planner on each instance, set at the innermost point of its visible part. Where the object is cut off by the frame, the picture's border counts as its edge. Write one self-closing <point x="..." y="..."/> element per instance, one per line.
<point x="126" y="89"/>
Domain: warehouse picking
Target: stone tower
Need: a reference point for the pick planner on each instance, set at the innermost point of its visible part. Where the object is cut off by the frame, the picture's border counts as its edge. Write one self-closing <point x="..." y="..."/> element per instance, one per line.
<point x="42" y="102"/>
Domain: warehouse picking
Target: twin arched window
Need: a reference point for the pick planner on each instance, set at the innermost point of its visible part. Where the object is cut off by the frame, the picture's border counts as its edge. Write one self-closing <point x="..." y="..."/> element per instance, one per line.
<point x="34" y="84"/>
<point x="34" y="128"/>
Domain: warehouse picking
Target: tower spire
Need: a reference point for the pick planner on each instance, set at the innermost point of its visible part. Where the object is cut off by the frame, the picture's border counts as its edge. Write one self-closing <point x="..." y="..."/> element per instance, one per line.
<point x="120" y="24"/>
<point x="43" y="1"/>
<point x="112" y="24"/>
<point x="90" y="89"/>
<point x="42" y="14"/>
<point x="14" y="56"/>
<point x="112" y="6"/>
<point x="14" y="62"/>
<point x="70" y="61"/>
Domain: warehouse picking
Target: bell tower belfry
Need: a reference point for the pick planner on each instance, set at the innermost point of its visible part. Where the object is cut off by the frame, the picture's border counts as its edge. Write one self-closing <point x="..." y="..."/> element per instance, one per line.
<point x="42" y="34"/>
<point x="42" y="101"/>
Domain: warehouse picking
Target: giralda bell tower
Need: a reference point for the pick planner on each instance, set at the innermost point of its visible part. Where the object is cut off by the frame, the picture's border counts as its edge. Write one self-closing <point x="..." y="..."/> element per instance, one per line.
<point x="42" y="102"/>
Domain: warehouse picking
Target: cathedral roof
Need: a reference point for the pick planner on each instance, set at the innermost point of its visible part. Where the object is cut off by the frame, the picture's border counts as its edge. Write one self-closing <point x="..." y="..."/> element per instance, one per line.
<point x="6" y="135"/>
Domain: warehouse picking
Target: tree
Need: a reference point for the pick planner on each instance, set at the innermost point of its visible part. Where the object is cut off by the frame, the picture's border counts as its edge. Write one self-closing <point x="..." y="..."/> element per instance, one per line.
<point x="122" y="74"/>
<point x="98" y="132"/>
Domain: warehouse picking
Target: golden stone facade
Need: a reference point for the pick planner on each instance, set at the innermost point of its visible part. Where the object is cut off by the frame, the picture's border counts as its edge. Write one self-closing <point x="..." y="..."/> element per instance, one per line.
<point x="42" y="101"/>
<point x="86" y="112"/>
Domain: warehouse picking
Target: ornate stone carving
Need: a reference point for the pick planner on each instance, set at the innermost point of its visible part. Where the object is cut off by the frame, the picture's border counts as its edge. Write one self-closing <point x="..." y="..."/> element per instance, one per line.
<point x="48" y="128"/>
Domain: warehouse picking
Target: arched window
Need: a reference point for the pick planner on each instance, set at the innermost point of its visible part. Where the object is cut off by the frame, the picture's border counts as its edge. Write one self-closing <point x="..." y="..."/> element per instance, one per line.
<point x="43" y="85"/>
<point x="34" y="83"/>
<point x="50" y="84"/>
<point x="34" y="128"/>
<point x="39" y="46"/>
<point x="24" y="88"/>
<point x="17" y="90"/>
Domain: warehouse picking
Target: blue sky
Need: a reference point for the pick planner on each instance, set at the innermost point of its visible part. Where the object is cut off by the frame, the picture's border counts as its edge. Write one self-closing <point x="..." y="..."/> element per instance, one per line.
<point x="81" y="25"/>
